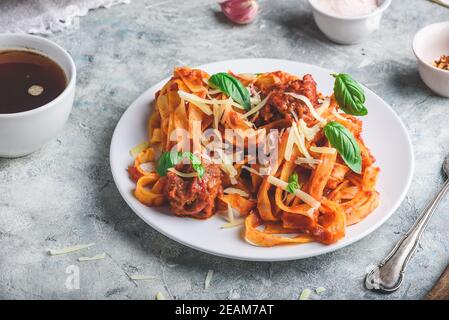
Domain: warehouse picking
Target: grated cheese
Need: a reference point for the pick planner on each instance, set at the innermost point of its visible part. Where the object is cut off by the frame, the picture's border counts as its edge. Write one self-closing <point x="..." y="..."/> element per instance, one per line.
<point x="310" y="162"/>
<point x="95" y="257"/>
<point x="251" y="170"/>
<point x="255" y="99"/>
<point x="218" y="112"/>
<point x="290" y="144"/>
<point x="309" y="133"/>
<point x="299" y="193"/>
<point x="209" y="276"/>
<point x="305" y="294"/>
<point x="248" y="76"/>
<point x="226" y="166"/>
<point x="307" y="103"/>
<point x="325" y="150"/>
<point x="338" y="115"/>
<point x="55" y="252"/>
<point x="230" y="214"/>
<point x="199" y="102"/>
<point x="139" y="277"/>
<point x="160" y="296"/>
<point x="148" y="167"/>
<point x="240" y="192"/>
<point x="210" y="92"/>
<point x="258" y="107"/>
<point x="139" y="148"/>
<point x="235" y="104"/>
<point x="320" y="290"/>
<point x="324" y="105"/>
<point x="183" y="174"/>
<point x="234" y="224"/>
<point x="300" y="141"/>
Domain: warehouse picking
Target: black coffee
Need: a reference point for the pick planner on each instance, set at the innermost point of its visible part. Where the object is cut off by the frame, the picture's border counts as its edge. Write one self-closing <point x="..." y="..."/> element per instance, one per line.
<point x="28" y="81"/>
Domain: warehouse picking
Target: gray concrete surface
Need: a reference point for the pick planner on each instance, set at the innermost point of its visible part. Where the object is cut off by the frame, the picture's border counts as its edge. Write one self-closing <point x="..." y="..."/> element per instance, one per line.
<point x="64" y="194"/>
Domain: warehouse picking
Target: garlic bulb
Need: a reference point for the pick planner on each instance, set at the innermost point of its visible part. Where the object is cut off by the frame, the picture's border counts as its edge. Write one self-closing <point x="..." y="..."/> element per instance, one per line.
<point x="240" y="11"/>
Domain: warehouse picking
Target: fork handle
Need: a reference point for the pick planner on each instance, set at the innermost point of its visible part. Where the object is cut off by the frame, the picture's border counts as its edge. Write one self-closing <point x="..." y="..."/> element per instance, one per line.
<point x="388" y="275"/>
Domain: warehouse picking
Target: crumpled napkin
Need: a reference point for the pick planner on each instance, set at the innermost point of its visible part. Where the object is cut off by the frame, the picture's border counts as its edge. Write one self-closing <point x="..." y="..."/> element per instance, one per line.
<point x="46" y="16"/>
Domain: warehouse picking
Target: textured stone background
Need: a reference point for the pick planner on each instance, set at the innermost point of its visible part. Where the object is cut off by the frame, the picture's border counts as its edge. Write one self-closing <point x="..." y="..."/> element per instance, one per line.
<point x="64" y="193"/>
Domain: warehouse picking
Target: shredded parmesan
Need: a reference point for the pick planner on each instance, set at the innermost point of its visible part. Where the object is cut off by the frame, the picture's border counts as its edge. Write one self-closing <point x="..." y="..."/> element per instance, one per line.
<point x="248" y="76"/>
<point x="139" y="277"/>
<point x="307" y="103"/>
<point x="201" y="103"/>
<point x="255" y="99"/>
<point x="160" y="296"/>
<point x="240" y="192"/>
<point x="234" y="224"/>
<point x="210" y="92"/>
<point x="182" y="174"/>
<point x="338" y="115"/>
<point x="290" y="143"/>
<point x="235" y="104"/>
<point x="320" y="290"/>
<point x="55" y="252"/>
<point x="226" y="166"/>
<point x="325" y="150"/>
<point x="299" y="193"/>
<point x="300" y="141"/>
<point x="310" y="162"/>
<point x="305" y="294"/>
<point x="139" y="148"/>
<point x="258" y="107"/>
<point x="209" y="276"/>
<point x="148" y="167"/>
<point x="230" y="214"/>
<point x="218" y="112"/>
<point x="95" y="257"/>
<point x="251" y="170"/>
<point x="326" y="103"/>
<point x="309" y="133"/>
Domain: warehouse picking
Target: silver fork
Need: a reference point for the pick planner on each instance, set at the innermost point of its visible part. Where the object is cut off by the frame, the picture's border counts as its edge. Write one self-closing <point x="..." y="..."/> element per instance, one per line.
<point x="388" y="275"/>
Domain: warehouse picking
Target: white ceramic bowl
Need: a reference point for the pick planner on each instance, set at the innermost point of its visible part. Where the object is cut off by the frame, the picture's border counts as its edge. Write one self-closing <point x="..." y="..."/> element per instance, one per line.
<point x="429" y="44"/>
<point x="348" y="30"/>
<point x="25" y="132"/>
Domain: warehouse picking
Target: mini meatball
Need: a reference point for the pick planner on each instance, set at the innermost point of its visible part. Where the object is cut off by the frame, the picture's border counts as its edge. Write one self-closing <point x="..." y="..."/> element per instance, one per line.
<point x="193" y="197"/>
<point x="281" y="105"/>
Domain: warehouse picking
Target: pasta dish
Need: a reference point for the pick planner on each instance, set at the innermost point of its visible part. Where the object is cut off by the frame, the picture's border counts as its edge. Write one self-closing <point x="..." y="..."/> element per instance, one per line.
<point x="267" y="152"/>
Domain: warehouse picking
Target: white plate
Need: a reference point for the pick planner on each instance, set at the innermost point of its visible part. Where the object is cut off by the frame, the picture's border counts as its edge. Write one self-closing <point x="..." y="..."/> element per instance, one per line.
<point x="384" y="134"/>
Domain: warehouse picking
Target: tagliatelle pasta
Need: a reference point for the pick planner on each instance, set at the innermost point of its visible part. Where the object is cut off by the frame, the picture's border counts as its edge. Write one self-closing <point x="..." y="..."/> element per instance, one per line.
<point x="266" y="147"/>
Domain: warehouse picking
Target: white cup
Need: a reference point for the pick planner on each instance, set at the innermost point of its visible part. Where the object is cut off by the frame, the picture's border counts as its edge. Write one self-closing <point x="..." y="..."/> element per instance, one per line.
<point x="25" y="132"/>
<point x="348" y="30"/>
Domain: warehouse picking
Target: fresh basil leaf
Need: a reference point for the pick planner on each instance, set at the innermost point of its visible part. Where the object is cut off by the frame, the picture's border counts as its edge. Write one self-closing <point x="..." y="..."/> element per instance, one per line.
<point x="293" y="183"/>
<point x="166" y="161"/>
<point x="343" y="140"/>
<point x="196" y="163"/>
<point x="199" y="170"/>
<point x="171" y="159"/>
<point x="349" y="95"/>
<point x="232" y="87"/>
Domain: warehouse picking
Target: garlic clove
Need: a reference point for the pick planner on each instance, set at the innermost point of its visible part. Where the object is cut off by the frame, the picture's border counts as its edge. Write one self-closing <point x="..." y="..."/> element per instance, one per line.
<point x="240" y="11"/>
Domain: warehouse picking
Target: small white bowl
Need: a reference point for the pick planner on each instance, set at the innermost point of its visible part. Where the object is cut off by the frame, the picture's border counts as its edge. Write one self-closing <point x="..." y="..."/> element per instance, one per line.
<point x="25" y="132"/>
<point x="348" y="30"/>
<point x="429" y="44"/>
